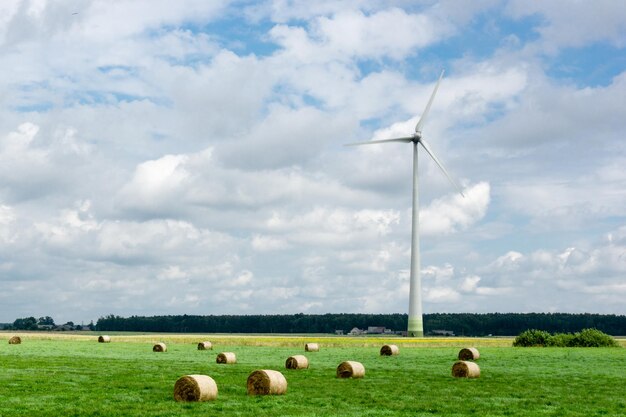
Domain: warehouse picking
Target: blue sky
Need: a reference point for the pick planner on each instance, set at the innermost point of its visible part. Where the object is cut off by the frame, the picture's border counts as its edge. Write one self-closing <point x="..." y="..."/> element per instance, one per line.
<point x="162" y="157"/>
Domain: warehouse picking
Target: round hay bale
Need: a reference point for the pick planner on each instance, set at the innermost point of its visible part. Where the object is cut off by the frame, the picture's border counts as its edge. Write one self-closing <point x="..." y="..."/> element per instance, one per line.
<point x="15" y="340"/>
<point x="159" y="347"/>
<point x="350" y="369"/>
<point x="297" y="362"/>
<point x="104" y="339"/>
<point x="389" y="350"/>
<point x="266" y="382"/>
<point x="465" y="369"/>
<point x="195" y="388"/>
<point x="469" y="354"/>
<point x="311" y="347"/>
<point x="205" y="346"/>
<point x="226" y="357"/>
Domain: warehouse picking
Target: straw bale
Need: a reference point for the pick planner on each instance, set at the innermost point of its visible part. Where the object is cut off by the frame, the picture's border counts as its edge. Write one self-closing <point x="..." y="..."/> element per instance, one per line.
<point x="311" y="347"/>
<point x="226" y="357"/>
<point x="297" y="362"/>
<point x="389" y="350"/>
<point x="469" y="354"/>
<point x="195" y="388"/>
<point x="159" y="347"/>
<point x="104" y="339"/>
<point x="205" y="345"/>
<point x="350" y="369"/>
<point x="15" y="340"/>
<point x="266" y="382"/>
<point x="465" y="369"/>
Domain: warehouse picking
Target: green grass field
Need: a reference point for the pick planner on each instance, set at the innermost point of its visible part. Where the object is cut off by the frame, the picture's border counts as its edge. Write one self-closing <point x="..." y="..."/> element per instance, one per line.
<point x="73" y="375"/>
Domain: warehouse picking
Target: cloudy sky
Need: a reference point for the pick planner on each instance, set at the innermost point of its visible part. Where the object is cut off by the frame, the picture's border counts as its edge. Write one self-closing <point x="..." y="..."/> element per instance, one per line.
<point x="171" y="157"/>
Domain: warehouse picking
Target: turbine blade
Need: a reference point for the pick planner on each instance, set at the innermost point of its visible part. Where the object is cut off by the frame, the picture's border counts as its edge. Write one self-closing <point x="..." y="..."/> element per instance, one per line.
<point x="422" y="121"/>
<point x="438" y="162"/>
<point x="372" y="142"/>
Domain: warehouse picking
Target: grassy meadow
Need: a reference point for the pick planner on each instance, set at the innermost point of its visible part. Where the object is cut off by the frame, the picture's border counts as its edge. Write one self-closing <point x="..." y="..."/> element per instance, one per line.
<point x="53" y="374"/>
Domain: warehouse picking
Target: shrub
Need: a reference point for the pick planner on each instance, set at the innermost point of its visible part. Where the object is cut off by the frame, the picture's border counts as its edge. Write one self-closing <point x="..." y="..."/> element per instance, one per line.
<point x="584" y="338"/>
<point x="532" y="337"/>
<point x="561" y="340"/>
<point x="592" y="338"/>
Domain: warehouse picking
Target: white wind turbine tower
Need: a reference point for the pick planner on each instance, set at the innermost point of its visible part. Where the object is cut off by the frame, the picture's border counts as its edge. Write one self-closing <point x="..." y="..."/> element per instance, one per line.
<point x="416" y="325"/>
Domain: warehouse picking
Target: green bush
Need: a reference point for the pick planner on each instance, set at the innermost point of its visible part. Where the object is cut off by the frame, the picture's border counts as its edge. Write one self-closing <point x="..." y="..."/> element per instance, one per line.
<point x="532" y="337"/>
<point x="560" y="340"/>
<point x="592" y="338"/>
<point x="584" y="338"/>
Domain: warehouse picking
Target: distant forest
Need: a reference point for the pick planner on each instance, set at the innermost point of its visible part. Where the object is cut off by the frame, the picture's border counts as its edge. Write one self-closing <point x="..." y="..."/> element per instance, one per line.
<point x="463" y="324"/>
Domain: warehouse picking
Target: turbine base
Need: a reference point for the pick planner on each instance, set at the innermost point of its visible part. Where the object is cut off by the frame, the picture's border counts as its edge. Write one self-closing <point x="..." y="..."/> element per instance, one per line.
<point x="416" y="327"/>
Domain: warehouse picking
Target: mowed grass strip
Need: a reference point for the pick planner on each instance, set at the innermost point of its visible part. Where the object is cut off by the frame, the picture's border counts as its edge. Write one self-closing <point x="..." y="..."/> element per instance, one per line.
<point x="270" y="340"/>
<point x="65" y="376"/>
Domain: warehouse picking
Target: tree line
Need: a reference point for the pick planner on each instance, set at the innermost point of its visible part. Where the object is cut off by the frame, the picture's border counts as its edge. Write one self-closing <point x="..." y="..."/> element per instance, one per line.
<point x="44" y="323"/>
<point x="462" y="324"/>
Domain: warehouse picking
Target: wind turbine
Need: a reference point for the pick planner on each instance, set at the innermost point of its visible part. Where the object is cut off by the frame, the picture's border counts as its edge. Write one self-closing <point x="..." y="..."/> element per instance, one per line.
<point x="416" y="325"/>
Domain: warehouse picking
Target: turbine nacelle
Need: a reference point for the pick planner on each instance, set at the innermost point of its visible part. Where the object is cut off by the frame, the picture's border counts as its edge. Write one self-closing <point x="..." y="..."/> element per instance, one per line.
<point x="416" y="137"/>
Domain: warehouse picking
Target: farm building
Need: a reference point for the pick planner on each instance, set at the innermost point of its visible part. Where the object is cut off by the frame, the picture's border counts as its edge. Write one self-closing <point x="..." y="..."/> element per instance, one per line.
<point x="356" y="332"/>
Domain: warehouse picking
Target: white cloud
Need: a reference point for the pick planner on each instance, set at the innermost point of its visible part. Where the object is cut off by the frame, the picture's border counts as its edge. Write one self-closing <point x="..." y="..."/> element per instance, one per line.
<point x="35" y="163"/>
<point x="507" y="262"/>
<point x="186" y="301"/>
<point x="262" y="243"/>
<point x="565" y="203"/>
<point x="381" y="220"/>
<point x="173" y="273"/>
<point x="391" y="32"/>
<point x="479" y="89"/>
<point x="242" y="280"/>
<point x="98" y="20"/>
<point x="285" y="10"/>
<point x="439" y="274"/>
<point x="6" y="215"/>
<point x="573" y="24"/>
<point x="286" y="137"/>
<point x="155" y="181"/>
<point x="123" y="241"/>
<point x="334" y="227"/>
<point x="77" y="233"/>
<point x="221" y="98"/>
<point x="574" y="279"/>
<point x="7" y="219"/>
<point x="469" y="284"/>
<point x="549" y="113"/>
<point x="453" y="213"/>
<point x="19" y="141"/>
<point x="17" y="154"/>
<point x="437" y="295"/>
<point x="347" y="34"/>
<point x="574" y="273"/>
